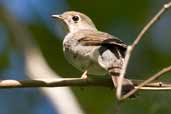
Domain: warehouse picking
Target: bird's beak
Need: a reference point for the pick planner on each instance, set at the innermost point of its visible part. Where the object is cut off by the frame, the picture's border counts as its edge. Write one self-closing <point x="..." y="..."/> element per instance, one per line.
<point x="57" y="17"/>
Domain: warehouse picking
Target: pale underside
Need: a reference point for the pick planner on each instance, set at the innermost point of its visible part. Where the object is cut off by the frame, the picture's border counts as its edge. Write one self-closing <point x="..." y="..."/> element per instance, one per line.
<point x="96" y="59"/>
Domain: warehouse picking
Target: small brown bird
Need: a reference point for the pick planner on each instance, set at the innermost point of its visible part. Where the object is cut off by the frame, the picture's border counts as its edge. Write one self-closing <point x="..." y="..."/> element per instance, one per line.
<point x="92" y="51"/>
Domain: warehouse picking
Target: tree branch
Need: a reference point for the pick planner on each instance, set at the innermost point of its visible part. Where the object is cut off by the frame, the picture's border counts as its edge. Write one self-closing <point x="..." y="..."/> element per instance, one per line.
<point x="152" y="78"/>
<point x="63" y="82"/>
<point x="134" y="44"/>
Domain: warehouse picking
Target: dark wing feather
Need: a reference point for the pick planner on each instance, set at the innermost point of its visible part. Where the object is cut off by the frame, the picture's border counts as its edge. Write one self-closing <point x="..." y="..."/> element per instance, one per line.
<point x="101" y="38"/>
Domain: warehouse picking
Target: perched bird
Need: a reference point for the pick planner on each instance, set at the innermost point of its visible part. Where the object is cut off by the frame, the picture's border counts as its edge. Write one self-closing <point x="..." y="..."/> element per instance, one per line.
<point x="92" y="51"/>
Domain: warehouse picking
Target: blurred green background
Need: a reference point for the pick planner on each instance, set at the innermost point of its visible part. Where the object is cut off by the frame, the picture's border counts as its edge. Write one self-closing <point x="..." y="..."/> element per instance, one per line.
<point x="123" y="19"/>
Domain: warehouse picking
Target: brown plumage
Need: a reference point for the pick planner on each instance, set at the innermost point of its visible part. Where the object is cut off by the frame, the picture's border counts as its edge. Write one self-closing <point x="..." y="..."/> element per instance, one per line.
<point x="92" y="51"/>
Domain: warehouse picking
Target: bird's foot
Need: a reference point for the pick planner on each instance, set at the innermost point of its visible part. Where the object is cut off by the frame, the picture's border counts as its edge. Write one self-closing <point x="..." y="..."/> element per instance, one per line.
<point x="84" y="75"/>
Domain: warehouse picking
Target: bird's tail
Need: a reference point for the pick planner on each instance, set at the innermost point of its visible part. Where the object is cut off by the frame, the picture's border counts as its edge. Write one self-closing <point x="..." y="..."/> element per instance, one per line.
<point x="127" y="84"/>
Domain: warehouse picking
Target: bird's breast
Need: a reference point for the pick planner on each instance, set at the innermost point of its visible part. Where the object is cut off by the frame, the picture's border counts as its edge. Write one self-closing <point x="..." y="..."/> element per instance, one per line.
<point x="82" y="57"/>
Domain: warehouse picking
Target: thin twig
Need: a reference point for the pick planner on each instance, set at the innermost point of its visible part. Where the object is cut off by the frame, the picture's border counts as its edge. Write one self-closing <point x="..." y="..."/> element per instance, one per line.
<point x="63" y="82"/>
<point x="134" y="44"/>
<point x="152" y="78"/>
<point x="117" y="107"/>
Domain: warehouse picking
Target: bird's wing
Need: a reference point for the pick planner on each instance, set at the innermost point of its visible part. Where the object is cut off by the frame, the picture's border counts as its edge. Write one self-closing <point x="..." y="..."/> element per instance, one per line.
<point x="100" y="38"/>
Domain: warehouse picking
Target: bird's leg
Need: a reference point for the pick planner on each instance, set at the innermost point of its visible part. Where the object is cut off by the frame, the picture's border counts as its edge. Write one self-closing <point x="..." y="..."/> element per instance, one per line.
<point x="84" y="75"/>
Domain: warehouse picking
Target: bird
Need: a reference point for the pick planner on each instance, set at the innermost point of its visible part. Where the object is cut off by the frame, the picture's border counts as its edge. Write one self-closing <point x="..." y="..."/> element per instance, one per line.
<point x="92" y="51"/>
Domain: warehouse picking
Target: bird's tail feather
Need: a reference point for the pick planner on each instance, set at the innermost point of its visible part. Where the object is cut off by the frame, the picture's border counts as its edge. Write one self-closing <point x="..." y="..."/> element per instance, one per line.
<point x="127" y="84"/>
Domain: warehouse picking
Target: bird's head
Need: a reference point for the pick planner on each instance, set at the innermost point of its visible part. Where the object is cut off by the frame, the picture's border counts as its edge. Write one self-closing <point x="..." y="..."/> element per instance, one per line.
<point x="75" y="21"/>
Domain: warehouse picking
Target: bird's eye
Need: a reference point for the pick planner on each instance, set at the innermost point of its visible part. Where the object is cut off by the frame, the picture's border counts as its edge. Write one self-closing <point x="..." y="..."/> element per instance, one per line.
<point x="75" y="18"/>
